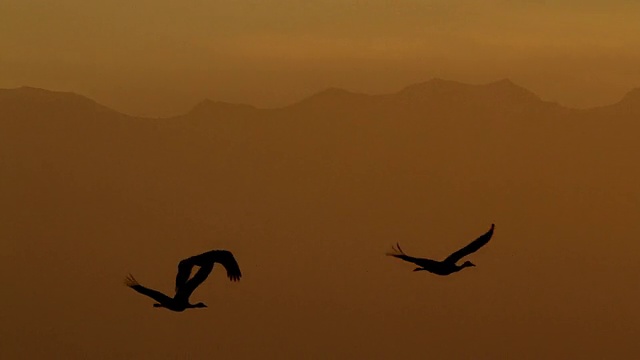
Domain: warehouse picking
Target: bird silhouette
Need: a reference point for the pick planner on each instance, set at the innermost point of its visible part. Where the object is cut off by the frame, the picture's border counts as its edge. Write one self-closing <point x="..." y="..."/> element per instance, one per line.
<point x="185" y="286"/>
<point x="448" y="265"/>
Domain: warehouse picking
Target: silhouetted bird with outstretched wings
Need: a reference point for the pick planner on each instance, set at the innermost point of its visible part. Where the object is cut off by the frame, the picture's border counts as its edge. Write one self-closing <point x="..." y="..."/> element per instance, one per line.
<point x="186" y="286"/>
<point x="448" y="265"/>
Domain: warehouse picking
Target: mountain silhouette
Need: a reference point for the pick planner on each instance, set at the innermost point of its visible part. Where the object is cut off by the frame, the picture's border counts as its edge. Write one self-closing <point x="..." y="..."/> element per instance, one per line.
<point x="503" y="89"/>
<point x="313" y="193"/>
<point x="502" y="94"/>
<point x="630" y="102"/>
<point x="440" y="120"/>
<point x="54" y="103"/>
<point x="441" y="127"/>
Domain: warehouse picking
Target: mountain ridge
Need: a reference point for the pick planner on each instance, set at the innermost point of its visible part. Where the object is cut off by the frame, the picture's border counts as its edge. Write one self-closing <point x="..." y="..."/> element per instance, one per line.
<point x="495" y="93"/>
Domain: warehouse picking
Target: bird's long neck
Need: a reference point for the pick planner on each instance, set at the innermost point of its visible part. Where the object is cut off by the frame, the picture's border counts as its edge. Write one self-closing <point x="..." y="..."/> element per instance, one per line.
<point x="193" y="306"/>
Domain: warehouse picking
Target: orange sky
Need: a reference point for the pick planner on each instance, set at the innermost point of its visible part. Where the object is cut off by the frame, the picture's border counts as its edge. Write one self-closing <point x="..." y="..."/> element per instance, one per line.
<point x="309" y="198"/>
<point x="161" y="57"/>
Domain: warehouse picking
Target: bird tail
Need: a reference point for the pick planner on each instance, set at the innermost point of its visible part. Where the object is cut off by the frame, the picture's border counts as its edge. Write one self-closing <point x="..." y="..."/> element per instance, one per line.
<point x="130" y="281"/>
<point x="396" y="250"/>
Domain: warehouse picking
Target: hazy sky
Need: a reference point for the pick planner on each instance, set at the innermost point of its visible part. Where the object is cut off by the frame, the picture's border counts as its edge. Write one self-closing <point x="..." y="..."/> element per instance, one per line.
<point x="161" y="57"/>
<point x="309" y="198"/>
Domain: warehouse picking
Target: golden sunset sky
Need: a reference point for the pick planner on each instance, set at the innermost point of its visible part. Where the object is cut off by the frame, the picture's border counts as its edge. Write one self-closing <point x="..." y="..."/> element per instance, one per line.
<point x="160" y="57"/>
<point x="309" y="197"/>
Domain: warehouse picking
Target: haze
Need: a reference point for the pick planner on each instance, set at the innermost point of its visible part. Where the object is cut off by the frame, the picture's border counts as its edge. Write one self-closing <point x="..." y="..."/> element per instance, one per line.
<point x="443" y="129"/>
<point x="157" y="58"/>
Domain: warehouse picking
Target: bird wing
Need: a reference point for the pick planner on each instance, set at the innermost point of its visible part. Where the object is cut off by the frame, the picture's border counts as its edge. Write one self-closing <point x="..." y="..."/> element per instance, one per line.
<point x="223" y="257"/>
<point x="472" y="247"/>
<point x="226" y="259"/>
<point x="131" y="282"/>
<point x="398" y="253"/>
<point x="185" y="290"/>
<point x="184" y="271"/>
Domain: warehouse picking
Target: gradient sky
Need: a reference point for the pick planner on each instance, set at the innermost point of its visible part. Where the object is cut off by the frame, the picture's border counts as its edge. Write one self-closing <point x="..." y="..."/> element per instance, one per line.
<point x="160" y="57"/>
<point x="309" y="198"/>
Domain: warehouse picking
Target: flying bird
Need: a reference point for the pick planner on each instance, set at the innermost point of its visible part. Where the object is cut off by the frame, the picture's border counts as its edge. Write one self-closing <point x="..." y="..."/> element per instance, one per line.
<point x="185" y="286"/>
<point x="448" y="265"/>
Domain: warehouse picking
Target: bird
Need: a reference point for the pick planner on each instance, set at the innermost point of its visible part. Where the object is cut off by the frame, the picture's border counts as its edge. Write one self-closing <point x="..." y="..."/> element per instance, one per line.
<point x="447" y="266"/>
<point x="185" y="286"/>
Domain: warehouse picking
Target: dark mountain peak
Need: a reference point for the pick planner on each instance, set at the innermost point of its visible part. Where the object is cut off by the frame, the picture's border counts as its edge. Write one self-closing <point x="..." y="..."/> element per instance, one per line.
<point x="331" y="93"/>
<point x="36" y="99"/>
<point x="504" y="94"/>
<point x="505" y="83"/>
<point x="630" y="103"/>
<point x="508" y="88"/>
<point x="441" y="86"/>
<point x="632" y="97"/>
<point x="38" y="94"/>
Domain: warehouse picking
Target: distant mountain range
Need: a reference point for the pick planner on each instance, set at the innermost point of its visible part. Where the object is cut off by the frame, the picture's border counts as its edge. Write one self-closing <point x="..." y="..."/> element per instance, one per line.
<point x="438" y="147"/>
<point x="502" y="94"/>
<point x="465" y="128"/>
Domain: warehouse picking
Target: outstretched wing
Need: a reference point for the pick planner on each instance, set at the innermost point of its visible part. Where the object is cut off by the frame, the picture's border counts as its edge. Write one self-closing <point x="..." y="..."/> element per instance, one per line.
<point x="224" y="257"/>
<point x="131" y="282"/>
<point x="472" y="247"/>
<point x="184" y="271"/>
<point x="398" y="253"/>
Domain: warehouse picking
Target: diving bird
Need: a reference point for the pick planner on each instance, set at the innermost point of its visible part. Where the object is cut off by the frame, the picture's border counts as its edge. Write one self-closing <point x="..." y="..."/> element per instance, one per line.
<point x="185" y="286"/>
<point x="448" y="265"/>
